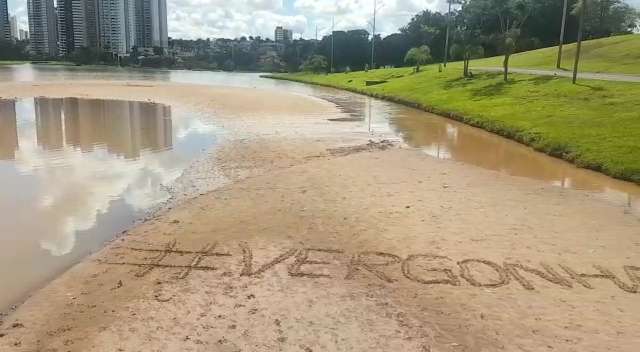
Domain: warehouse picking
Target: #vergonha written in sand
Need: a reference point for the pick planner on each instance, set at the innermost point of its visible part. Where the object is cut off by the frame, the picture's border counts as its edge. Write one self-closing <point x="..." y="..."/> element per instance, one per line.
<point x="424" y="268"/>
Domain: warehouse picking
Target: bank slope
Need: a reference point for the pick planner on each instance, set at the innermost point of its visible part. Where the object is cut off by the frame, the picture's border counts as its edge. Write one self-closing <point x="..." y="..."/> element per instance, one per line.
<point x="595" y="124"/>
<point x="620" y="54"/>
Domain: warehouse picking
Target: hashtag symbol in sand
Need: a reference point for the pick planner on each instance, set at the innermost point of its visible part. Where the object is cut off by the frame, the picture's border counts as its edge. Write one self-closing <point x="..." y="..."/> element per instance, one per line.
<point x="160" y="259"/>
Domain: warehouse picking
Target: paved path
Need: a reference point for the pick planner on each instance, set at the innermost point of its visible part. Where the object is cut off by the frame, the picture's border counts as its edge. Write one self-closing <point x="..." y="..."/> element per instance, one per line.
<point x="582" y="75"/>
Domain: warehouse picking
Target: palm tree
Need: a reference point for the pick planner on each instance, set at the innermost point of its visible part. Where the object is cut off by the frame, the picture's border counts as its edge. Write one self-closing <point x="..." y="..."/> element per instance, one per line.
<point x="512" y="15"/>
<point x="418" y="56"/>
<point x="466" y="51"/>
<point x="564" y="21"/>
<point x="579" y="10"/>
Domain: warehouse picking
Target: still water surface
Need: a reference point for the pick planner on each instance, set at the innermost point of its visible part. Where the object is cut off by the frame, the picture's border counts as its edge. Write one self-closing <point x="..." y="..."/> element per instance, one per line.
<point x="86" y="169"/>
<point x="75" y="171"/>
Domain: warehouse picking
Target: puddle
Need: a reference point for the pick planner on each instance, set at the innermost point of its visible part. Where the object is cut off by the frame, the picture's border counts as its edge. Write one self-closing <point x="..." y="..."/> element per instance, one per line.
<point x="444" y="138"/>
<point x="84" y="180"/>
<point x="73" y="172"/>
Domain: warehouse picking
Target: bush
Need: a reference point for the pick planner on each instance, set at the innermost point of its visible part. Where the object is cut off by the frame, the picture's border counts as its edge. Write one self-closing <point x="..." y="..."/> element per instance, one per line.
<point x="315" y="64"/>
<point x="418" y="56"/>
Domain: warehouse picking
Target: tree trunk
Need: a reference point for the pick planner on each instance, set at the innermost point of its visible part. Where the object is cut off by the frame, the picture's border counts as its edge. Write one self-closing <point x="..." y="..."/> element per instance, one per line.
<point x="578" y="44"/>
<point x="564" y="22"/>
<point x="506" y="68"/>
<point x="465" y="63"/>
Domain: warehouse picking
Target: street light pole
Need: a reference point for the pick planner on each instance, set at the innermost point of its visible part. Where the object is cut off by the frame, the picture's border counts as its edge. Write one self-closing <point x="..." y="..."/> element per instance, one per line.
<point x="564" y="21"/>
<point x="373" y="36"/>
<point x="333" y="25"/>
<point x="446" y="40"/>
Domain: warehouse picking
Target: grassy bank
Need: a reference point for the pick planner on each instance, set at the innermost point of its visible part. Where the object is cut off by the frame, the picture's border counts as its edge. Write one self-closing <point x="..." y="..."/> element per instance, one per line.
<point x="595" y="124"/>
<point x="619" y="54"/>
<point x="2" y="63"/>
<point x="50" y="63"/>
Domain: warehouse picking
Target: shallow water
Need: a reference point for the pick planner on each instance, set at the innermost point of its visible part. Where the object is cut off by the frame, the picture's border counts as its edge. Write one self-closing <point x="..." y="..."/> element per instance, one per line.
<point x="74" y="172"/>
<point x="447" y="139"/>
<point x="83" y="181"/>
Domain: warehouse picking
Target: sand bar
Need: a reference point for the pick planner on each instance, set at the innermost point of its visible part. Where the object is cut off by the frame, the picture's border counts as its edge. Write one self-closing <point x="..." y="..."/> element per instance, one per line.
<point x="328" y="243"/>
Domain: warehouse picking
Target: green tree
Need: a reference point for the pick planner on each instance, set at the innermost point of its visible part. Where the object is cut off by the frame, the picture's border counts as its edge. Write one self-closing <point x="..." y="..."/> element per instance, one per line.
<point x="466" y="51"/>
<point x="509" y="49"/>
<point x="511" y="16"/>
<point x="609" y="17"/>
<point x="418" y="56"/>
<point x="270" y="62"/>
<point x="158" y="51"/>
<point x="392" y="49"/>
<point x="228" y="66"/>
<point x="351" y="48"/>
<point x="427" y="28"/>
<point x="315" y="64"/>
<point x="13" y="51"/>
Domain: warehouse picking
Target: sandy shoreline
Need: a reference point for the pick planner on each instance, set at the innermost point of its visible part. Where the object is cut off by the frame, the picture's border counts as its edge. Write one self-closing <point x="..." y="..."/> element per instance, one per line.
<point x="314" y="247"/>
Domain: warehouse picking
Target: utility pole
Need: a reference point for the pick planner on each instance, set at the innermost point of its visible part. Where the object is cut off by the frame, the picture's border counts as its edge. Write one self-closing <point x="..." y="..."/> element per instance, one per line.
<point x="373" y="35"/>
<point x="564" y="21"/>
<point x="581" y="13"/>
<point x="446" y="40"/>
<point x="333" y="26"/>
<point x="316" y="32"/>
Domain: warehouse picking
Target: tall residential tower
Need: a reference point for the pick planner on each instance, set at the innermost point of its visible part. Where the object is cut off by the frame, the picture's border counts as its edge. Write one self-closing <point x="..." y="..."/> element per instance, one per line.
<point x="43" y="27"/>
<point x="116" y="25"/>
<point x="77" y="25"/>
<point x="151" y="24"/>
<point x="13" y="21"/>
<point x="5" y="28"/>
<point x="283" y="35"/>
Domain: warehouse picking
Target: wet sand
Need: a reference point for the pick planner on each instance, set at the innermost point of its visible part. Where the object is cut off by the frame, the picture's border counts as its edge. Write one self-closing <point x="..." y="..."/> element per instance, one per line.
<point x="322" y="242"/>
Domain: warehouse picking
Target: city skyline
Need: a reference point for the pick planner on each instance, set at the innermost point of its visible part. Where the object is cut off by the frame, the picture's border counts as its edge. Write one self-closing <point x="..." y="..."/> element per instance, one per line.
<point x="117" y="26"/>
<point x="43" y="27"/>
<point x="192" y="19"/>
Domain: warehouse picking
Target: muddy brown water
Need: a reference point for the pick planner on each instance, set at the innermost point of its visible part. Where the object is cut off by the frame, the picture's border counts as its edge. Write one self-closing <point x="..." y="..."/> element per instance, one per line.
<point x="447" y="139"/>
<point x="75" y="172"/>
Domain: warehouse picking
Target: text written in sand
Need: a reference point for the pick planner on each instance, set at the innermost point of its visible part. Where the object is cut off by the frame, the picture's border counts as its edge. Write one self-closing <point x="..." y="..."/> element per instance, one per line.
<point x="424" y="269"/>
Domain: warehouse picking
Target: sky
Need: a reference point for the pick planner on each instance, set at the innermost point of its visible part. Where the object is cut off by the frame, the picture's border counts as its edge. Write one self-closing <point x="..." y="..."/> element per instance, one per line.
<point x="191" y="19"/>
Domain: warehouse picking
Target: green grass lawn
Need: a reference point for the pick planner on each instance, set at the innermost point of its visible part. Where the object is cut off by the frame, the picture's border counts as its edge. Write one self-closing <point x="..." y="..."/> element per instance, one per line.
<point x="52" y="63"/>
<point x="595" y="124"/>
<point x="619" y="54"/>
<point x="13" y="62"/>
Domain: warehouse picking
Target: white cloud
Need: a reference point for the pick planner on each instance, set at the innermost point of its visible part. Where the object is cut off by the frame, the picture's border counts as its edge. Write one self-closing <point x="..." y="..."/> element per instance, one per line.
<point x="352" y="14"/>
<point x="215" y="18"/>
<point x="223" y="18"/>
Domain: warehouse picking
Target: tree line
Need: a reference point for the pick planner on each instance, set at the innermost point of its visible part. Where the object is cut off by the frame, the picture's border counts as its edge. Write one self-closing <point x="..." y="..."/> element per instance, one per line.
<point x="481" y="28"/>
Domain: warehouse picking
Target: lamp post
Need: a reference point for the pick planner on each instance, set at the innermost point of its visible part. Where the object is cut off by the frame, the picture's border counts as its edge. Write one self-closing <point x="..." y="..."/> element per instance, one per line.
<point x="373" y="35"/>
<point x="333" y="26"/>
<point x="564" y="21"/>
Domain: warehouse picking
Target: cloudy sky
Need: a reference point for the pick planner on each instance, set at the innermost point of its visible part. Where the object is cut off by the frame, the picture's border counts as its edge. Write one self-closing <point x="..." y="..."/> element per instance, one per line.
<point x="235" y="18"/>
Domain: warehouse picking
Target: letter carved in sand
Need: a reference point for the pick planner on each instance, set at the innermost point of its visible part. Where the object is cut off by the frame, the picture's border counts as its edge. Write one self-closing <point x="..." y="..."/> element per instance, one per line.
<point x="336" y="264"/>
